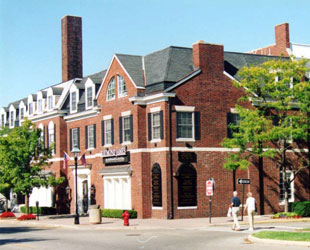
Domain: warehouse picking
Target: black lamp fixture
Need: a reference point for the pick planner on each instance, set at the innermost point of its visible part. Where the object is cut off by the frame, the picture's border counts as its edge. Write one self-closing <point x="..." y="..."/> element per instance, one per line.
<point x="76" y="152"/>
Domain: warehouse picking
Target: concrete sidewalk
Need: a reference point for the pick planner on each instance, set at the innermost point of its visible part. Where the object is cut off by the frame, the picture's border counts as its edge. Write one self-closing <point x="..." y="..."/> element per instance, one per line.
<point x="67" y="221"/>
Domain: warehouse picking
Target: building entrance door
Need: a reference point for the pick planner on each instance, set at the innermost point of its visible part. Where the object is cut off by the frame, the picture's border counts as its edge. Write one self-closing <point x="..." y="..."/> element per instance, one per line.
<point x="85" y="196"/>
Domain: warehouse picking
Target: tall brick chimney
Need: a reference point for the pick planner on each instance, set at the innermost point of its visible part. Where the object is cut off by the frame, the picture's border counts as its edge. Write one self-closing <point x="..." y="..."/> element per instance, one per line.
<point x="71" y="31"/>
<point x="209" y="58"/>
<point x="282" y="35"/>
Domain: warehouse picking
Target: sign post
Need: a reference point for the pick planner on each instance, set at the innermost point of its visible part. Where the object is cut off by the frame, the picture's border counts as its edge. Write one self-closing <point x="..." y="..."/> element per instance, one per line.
<point x="243" y="182"/>
<point x="209" y="192"/>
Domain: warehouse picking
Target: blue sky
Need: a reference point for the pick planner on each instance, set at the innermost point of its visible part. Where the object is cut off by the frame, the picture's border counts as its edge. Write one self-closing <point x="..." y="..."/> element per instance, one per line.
<point x="30" y="32"/>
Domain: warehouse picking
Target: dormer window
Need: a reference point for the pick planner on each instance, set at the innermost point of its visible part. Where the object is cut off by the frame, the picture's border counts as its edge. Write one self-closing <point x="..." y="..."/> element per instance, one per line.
<point x="40" y="106"/>
<point x="31" y="108"/>
<point x="89" y="93"/>
<point x="50" y="102"/>
<point x="22" y="113"/>
<point x="2" y="121"/>
<point x="12" y="119"/>
<point x="111" y="90"/>
<point x="73" y="101"/>
<point x="122" y="91"/>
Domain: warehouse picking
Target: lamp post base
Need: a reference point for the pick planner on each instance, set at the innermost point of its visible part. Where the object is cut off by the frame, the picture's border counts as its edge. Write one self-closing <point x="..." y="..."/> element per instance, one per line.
<point x="76" y="219"/>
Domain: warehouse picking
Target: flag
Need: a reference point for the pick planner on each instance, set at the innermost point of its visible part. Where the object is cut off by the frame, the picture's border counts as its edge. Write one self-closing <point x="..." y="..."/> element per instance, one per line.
<point x="66" y="159"/>
<point x="83" y="160"/>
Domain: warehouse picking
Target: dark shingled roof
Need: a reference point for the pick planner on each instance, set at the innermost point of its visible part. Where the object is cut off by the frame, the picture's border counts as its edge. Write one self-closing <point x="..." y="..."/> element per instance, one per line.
<point x="133" y="65"/>
<point x="57" y="91"/>
<point x="98" y="77"/>
<point x="168" y="65"/>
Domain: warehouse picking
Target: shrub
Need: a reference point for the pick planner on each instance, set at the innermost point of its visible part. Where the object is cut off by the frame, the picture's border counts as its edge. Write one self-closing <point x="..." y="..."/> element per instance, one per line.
<point x="117" y="213"/>
<point x="302" y="208"/>
<point x="285" y="215"/>
<point x="27" y="217"/>
<point x="7" y="215"/>
<point x="42" y="210"/>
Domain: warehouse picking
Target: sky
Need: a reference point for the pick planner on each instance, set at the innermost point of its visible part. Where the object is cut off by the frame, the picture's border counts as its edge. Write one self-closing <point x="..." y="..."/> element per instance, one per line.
<point x="30" y="32"/>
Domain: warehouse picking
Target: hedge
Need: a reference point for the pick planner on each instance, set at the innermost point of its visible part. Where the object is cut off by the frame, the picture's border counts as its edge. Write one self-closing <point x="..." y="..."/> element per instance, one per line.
<point x="42" y="210"/>
<point x="117" y="213"/>
<point x="301" y="207"/>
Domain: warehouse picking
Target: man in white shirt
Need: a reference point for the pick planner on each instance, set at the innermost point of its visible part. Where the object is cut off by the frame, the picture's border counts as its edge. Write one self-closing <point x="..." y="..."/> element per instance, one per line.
<point x="250" y="207"/>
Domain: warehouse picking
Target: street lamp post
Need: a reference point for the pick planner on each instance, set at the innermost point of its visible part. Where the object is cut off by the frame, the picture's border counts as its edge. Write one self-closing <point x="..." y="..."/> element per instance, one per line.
<point x="76" y="151"/>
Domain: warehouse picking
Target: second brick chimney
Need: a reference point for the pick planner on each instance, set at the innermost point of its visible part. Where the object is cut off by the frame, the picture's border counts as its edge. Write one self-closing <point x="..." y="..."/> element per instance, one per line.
<point x="209" y="58"/>
<point x="71" y="30"/>
<point x="282" y="35"/>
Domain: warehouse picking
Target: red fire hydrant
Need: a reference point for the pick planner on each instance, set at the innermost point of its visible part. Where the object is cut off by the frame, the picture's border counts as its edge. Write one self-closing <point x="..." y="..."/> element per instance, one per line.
<point x="126" y="216"/>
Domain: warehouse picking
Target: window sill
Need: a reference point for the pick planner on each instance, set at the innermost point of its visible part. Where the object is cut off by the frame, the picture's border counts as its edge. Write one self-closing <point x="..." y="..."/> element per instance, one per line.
<point x="185" y="140"/>
<point x="90" y="149"/>
<point x="126" y="143"/>
<point x="282" y="203"/>
<point x="184" y="208"/>
<point x="157" y="208"/>
<point x="155" y="140"/>
<point x="107" y="145"/>
<point x="122" y="96"/>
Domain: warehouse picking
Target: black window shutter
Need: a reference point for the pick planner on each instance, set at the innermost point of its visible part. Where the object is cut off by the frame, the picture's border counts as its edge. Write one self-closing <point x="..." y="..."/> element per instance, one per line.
<point x="197" y="125"/>
<point x="121" y="130"/>
<point x="161" y="116"/>
<point x="149" y="125"/>
<point x="54" y="138"/>
<point x="78" y="137"/>
<point x="44" y="137"/>
<point x="47" y="138"/>
<point x="229" y="121"/>
<point x="131" y="128"/>
<point x="102" y="133"/>
<point x="112" y="131"/>
<point x="86" y="137"/>
<point x="95" y="135"/>
<point x="178" y="132"/>
<point x="70" y="134"/>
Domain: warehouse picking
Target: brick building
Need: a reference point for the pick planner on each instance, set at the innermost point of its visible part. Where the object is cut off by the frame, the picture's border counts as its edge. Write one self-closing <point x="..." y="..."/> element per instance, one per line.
<point x="151" y="128"/>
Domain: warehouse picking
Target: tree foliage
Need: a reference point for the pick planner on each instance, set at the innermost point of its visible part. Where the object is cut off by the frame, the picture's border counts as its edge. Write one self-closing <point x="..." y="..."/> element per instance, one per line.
<point x="280" y="116"/>
<point x="23" y="157"/>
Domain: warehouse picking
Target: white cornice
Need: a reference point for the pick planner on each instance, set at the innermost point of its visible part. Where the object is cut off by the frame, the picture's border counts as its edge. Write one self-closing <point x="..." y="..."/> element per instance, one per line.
<point x="144" y="100"/>
<point x="82" y="115"/>
<point x="47" y="115"/>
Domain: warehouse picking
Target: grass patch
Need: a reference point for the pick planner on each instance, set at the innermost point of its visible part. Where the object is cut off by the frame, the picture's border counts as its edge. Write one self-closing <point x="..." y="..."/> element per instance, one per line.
<point x="279" y="235"/>
<point x="303" y="230"/>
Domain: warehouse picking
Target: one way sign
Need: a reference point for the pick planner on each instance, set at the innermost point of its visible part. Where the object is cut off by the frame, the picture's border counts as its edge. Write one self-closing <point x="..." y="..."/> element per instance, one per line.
<point x="243" y="181"/>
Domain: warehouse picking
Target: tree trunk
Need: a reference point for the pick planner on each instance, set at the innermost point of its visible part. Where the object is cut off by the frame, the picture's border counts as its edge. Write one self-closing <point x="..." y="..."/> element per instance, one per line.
<point x="27" y="203"/>
<point x="6" y="205"/>
<point x="286" y="185"/>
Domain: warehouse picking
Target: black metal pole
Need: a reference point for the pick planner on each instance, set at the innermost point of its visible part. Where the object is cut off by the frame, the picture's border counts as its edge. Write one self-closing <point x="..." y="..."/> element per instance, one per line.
<point x="37" y="205"/>
<point x="242" y="202"/>
<point x="76" y="218"/>
<point x="210" y="203"/>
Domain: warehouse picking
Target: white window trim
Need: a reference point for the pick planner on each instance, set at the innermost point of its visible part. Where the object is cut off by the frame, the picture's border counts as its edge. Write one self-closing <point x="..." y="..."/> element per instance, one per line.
<point x="33" y="108"/>
<point x="155" y="109"/>
<point x="10" y="118"/>
<point x="292" y="189"/>
<point x="51" y="130"/>
<point x="72" y="137"/>
<point x="76" y="101"/>
<point x="53" y="103"/>
<point x="107" y="117"/>
<point x="234" y="111"/>
<point x="89" y="84"/>
<point x="185" y="108"/>
<point x="118" y="87"/>
<point x="88" y="137"/>
<point x="186" y="208"/>
<point x="105" y="127"/>
<point x="157" y="208"/>
<point x="193" y="130"/>
<point x="157" y="139"/>
<point x="42" y="110"/>
<point x="107" y="94"/>
<point x="123" y="131"/>
<point x="126" y="113"/>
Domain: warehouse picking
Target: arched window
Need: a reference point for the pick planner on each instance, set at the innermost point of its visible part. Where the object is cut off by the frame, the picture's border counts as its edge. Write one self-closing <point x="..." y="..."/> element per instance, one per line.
<point x="122" y="91"/>
<point x="187" y="186"/>
<point x="156" y="186"/>
<point x="111" y="90"/>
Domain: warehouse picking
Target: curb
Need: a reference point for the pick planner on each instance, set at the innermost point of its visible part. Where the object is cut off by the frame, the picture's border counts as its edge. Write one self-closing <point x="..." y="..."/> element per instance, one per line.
<point x="279" y="242"/>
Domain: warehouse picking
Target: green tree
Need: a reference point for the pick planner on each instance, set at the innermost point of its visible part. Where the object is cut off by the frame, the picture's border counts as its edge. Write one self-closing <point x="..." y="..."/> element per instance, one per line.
<point x="22" y="159"/>
<point x="269" y="129"/>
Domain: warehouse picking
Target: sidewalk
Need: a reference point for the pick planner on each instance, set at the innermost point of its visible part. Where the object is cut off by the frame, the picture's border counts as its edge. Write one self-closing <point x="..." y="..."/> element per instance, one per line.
<point x="67" y="221"/>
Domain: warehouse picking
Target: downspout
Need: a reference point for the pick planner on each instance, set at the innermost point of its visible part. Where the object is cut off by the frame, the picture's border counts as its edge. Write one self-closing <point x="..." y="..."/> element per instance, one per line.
<point x="171" y="215"/>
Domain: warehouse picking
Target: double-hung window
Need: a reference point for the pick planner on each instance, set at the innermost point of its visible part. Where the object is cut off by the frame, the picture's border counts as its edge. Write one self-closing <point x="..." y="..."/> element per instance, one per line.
<point x="289" y="177"/>
<point x="126" y="127"/>
<point x="2" y="120"/>
<point x="156" y="125"/>
<point x="31" y="108"/>
<point x="74" y="138"/>
<point x="22" y="113"/>
<point x="108" y="132"/>
<point x="90" y="136"/>
<point x="89" y="94"/>
<point x="51" y="139"/>
<point x="233" y="119"/>
<point x="50" y="102"/>
<point x="73" y="101"/>
<point x="40" y="106"/>
<point x="188" y="123"/>
<point x="12" y="119"/>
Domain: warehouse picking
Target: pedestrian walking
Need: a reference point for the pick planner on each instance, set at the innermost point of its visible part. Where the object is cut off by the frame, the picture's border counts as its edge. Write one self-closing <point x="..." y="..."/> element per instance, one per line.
<point x="250" y="208"/>
<point x="235" y="203"/>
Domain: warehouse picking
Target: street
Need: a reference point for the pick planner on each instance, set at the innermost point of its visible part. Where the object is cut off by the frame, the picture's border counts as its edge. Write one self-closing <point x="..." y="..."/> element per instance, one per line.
<point x="14" y="236"/>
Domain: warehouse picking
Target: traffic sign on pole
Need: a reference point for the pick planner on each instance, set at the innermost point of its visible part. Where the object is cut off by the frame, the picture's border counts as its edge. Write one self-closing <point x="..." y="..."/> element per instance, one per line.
<point x="244" y="181"/>
<point x="209" y="188"/>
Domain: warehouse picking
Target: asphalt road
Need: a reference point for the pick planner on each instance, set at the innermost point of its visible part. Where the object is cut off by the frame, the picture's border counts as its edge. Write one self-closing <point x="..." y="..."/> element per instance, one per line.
<point x="217" y="237"/>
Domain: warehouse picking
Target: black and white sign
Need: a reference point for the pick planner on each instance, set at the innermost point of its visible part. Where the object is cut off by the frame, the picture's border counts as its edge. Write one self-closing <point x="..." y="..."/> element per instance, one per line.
<point x="243" y="181"/>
